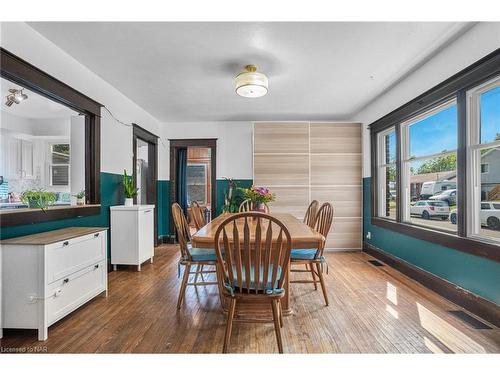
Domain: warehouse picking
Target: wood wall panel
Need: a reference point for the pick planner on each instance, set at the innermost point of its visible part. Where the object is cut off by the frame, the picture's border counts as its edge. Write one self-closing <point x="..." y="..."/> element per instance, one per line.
<point x="281" y="170"/>
<point x="281" y="137"/>
<point x="335" y="138"/>
<point x="292" y="200"/>
<point x="345" y="234"/>
<point x="336" y="169"/>
<point x="346" y="201"/>
<point x="320" y="161"/>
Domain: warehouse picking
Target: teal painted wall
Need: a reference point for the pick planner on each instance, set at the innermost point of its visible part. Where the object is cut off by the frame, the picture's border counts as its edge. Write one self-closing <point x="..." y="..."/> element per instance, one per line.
<point x="476" y="274"/>
<point x="163" y="191"/>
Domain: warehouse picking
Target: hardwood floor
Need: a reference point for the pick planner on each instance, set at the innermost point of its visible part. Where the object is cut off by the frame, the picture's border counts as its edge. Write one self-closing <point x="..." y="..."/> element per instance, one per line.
<point x="372" y="310"/>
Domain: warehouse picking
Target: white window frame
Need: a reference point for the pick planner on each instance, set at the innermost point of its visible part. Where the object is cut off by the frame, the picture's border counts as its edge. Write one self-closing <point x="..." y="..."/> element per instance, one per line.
<point x="406" y="158"/>
<point x="473" y="156"/>
<point x="381" y="165"/>
<point x="50" y="164"/>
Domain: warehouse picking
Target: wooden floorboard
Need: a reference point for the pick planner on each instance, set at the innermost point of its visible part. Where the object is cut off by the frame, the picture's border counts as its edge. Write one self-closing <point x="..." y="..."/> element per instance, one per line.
<point x="372" y="310"/>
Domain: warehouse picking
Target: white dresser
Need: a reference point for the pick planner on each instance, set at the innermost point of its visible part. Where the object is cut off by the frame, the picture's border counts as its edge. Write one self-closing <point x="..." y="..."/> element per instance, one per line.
<point x="132" y="235"/>
<point x="48" y="275"/>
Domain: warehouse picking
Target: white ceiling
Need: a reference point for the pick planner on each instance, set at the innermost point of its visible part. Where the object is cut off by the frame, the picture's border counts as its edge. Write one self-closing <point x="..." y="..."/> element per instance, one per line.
<point x="35" y="107"/>
<point x="316" y="71"/>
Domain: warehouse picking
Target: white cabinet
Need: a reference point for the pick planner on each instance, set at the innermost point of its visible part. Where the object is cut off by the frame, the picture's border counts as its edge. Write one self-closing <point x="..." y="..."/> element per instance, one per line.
<point x="132" y="235"/>
<point x="18" y="158"/>
<point x="48" y="275"/>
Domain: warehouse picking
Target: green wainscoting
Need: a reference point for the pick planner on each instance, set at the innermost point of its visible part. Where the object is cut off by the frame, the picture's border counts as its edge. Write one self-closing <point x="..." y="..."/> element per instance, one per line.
<point x="478" y="275"/>
<point x="112" y="194"/>
<point x="163" y="191"/>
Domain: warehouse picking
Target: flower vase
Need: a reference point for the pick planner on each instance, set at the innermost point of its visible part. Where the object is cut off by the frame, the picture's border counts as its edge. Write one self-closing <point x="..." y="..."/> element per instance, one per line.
<point x="259" y="207"/>
<point x="129" y="202"/>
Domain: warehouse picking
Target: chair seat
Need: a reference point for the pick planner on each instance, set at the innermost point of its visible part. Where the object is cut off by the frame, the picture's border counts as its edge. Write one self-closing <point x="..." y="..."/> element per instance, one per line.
<point x="261" y="278"/>
<point x="303" y="254"/>
<point x="202" y="255"/>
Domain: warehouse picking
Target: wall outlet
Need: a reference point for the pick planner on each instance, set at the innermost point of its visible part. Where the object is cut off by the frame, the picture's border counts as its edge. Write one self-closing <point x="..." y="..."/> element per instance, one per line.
<point x="369" y="235"/>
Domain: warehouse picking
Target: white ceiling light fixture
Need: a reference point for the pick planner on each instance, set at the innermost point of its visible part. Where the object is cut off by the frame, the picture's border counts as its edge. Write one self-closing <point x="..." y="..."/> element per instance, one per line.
<point x="251" y="84"/>
<point x="15" y="96"/>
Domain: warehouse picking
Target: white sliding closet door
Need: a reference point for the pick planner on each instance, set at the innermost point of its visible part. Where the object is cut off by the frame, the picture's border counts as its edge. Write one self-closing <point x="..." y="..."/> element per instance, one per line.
<point x="302" y="161"/>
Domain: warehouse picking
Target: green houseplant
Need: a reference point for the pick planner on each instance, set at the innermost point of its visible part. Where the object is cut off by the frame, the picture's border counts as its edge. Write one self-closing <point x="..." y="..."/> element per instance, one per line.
<point x="80" y="198"/>
<point x="129" y="188"/>
<point x="38" y="199"/>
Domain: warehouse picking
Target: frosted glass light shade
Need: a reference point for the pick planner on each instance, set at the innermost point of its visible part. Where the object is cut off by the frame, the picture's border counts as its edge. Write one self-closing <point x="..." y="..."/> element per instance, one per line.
<point x="251" y="84"/>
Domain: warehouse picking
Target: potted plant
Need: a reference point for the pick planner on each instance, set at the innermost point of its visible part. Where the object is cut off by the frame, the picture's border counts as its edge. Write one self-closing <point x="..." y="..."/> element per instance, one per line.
<point x="38" y="199"/>
<point x="129" y="188"/>
<point x="80" y="198"/>
<point x="259" y="196"/>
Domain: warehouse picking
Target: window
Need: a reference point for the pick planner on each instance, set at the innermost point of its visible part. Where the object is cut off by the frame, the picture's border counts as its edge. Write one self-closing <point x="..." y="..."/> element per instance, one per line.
<point x="59" y="167"/>
<point x="197" y="183"/>
<point x="483" y="160"/>
<point x="429" y="166"/>
<point x="387" y="174"/>
<point x="447" y="163"/>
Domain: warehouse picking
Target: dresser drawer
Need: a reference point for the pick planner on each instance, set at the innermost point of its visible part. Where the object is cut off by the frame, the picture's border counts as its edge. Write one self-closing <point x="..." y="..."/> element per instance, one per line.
<point x="66" y="257"/>
<point x="68" y="294"/>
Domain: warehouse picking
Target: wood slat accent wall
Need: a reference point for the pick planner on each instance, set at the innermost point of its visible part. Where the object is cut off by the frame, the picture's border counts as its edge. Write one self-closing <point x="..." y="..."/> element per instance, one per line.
<point x="301" y="161"/>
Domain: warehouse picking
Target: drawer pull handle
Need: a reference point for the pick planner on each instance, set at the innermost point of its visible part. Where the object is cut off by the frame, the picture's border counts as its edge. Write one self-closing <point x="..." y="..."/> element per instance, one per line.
<point x="147" y="211"/>
<point x="96" y="266"/>
<point x="65" y="243"/>
<point x="65" y="281"/>
<point x="96" y="235"/>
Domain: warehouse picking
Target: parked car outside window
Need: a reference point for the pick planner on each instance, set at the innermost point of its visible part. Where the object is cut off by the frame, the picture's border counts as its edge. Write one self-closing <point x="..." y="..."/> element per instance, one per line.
<point x="448" y="196"/>
<point x="430" y="209"/>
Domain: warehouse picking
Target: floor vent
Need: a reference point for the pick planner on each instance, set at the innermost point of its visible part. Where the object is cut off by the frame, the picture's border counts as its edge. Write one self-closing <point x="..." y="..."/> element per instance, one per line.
<point x="375" y="263"/>
<point x="469" y="319"/>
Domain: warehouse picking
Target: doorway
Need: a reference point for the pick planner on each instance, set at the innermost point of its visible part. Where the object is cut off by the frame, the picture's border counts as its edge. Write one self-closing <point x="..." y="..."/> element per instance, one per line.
<point x="145" y="171"/>
<point x="193" y="175"/>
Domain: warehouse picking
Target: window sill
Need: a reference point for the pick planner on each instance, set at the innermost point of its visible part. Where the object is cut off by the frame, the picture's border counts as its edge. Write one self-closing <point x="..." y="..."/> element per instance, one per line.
<point x="23" y="216"/>
<point x="466" y="245"/>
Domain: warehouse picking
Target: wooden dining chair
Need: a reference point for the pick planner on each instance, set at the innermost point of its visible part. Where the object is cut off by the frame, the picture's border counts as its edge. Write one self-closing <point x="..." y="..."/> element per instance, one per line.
<point x="310" y="216"/>
<point x="313" y="258"/>
<point x="254" y="269"/>
<point x="191" y="256"/>
<point x="198" y="215"/>
<point x="247" y="206"/>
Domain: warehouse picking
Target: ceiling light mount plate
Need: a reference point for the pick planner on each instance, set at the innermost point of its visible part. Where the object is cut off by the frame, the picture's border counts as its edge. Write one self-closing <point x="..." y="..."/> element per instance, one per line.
<point x="251" y="84"/>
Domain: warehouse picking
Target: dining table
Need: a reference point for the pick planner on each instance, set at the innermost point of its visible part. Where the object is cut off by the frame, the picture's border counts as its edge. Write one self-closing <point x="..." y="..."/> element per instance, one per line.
<point x="302" y="236"/>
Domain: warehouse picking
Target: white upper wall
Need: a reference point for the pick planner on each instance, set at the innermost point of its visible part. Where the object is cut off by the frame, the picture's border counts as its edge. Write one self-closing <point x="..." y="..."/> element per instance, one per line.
<point x="234" y="145"/>
<point x="116" y="139"/>
<point x="478" y="42"/>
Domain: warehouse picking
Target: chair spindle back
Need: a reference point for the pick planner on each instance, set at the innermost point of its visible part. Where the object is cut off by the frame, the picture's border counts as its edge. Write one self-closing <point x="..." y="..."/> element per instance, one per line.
<point x="323" y="222"/>
<point x="254" y="251"/>
<point x="182" y="228"/>
<point x="310" y="216"/>
<point x="198" y="216"/>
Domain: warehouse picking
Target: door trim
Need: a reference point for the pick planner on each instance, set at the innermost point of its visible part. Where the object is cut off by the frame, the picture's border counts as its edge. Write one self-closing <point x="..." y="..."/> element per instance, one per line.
<point x="152" y="194"/>
<point x="175" y="144"/>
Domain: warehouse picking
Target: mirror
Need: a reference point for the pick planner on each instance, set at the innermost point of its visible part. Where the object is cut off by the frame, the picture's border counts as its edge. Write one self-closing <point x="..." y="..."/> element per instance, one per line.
<point x="42" y="150"/>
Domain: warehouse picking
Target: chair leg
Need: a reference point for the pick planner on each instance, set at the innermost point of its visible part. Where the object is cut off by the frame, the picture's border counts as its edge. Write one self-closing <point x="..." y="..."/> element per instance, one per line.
<point x="313" y="276"/>
<point x="219" y="286"/>
<point x="322" y="281"/>
<point x="229" y="325"/>
<point x="281" y="313"/>
<point x="185" y="278"/>
<point x="277" y="327"/>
